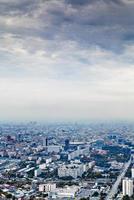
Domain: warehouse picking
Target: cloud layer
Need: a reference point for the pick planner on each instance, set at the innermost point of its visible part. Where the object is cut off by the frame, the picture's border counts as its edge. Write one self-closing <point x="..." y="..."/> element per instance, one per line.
<point x="66" y="59"/>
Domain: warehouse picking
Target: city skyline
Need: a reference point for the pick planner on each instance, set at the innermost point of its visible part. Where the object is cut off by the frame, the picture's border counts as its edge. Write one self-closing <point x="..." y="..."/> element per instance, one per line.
<point x="66" y="60"/>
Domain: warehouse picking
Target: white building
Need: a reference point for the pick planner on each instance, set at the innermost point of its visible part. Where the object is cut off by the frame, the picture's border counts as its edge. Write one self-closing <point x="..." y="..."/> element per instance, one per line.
<point x="41" y="188"/>
<point x="132" y="172"/>
<point x="78" y="152"/>
<point x="48" y="160"/>
<point x="91" y="164"/>
<point x="49" y="187"/>
<point x="54" y="148"/>
<point x="127" y="187"/>
<point x="67" y="192"/>
<point x="39" y="160"/>
<point x="42" y="166"/>
<point x="74" y="170"/>
<point x="37" y="172"/>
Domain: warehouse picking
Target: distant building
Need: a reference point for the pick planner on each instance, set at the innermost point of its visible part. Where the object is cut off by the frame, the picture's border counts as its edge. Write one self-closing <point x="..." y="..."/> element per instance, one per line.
<point x="66" y="192"/>
<point x="66" y="145"/>
<point x="73" y="170"/>
<point x="78" y="152"/>
<point x="45" y="142"/>
<point x="127" y="187"/>
<point x="19" y="137"/>
<point x="49" y="187"/>
<point x="48" y="160"/>
<point x="132" y="172"/>
<point x="42" y="166"/>
<point x="54" y="148"/>
<point x="37" y="172"/>
<point x="41" y="188"/>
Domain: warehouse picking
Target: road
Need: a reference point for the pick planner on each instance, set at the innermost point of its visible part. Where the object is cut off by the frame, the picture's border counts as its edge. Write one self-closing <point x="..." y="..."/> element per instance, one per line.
<point x="114" y="188"/>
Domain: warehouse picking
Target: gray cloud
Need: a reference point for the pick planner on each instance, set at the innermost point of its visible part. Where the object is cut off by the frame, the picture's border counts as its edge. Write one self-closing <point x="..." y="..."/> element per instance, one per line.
<point x="87" y="2"/>
<point x="85" y="46"/>
<point x="92" y="22"/>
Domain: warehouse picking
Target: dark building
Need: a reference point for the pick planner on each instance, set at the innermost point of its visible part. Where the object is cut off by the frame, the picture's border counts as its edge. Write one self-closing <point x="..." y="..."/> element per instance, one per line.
<point x="66" y="145"/>
<point x="46" y="142"/>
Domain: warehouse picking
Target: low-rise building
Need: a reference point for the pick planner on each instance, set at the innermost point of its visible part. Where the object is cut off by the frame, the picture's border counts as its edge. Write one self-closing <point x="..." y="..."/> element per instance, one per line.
<point x="49" y="187"/>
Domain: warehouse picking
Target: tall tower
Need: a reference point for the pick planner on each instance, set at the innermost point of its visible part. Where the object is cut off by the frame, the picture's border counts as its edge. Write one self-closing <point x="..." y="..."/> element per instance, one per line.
<point x="127" y="187"/>
<point x="45" y="142"/>
<point x="66" y="145"/>
<point x="132" y="172"/>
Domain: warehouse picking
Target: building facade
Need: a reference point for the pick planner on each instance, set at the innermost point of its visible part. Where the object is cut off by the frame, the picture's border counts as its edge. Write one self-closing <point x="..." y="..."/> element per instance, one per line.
<point x="127" y="187"/>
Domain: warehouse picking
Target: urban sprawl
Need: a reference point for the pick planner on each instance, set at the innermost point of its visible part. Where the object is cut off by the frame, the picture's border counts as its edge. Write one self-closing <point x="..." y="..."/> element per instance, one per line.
<point x="67" y="161"/>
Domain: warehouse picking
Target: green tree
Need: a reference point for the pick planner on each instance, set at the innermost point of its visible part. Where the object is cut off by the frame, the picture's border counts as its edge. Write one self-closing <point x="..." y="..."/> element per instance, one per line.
<point x="8" y="196"/>
<point x="126" y="197"/>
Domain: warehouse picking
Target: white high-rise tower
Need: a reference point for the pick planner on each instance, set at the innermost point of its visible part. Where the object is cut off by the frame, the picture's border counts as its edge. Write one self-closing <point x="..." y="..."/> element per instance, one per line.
<point x="132" y="172"/>
<point x="127" y="187"/>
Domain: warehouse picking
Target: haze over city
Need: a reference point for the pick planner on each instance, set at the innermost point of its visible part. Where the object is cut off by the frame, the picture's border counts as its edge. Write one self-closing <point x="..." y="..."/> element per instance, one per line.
<point x="66" y="100"/>
<point x="66" y="60"/>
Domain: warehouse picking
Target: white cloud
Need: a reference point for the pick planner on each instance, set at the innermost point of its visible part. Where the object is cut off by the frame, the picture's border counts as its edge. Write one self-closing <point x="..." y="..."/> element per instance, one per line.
<point x="63" y="61"/>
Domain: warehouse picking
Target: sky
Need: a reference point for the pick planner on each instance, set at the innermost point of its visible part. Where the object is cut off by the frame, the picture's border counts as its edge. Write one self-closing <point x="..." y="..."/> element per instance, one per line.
<point x="66" y="60"/>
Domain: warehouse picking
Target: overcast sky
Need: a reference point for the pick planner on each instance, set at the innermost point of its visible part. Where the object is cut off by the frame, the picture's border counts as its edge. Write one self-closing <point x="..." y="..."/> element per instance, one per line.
<point x="66" y="60"/>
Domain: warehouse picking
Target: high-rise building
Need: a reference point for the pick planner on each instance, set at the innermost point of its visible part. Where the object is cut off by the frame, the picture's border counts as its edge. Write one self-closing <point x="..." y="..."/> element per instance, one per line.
<point x="132" y="172"/>
<point x="45" y="142"/>
<point x="66" y="145"/>
<point x="127" y="187"/>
